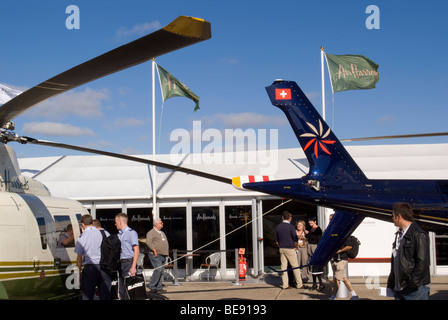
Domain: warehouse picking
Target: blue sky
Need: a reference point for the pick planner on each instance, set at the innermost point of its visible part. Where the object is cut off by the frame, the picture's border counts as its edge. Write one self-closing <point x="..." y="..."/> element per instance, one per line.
<point x="253" y="43"/>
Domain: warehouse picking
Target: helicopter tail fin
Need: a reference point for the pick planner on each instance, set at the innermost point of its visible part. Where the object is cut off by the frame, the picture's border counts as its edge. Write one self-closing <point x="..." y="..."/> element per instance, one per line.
<point x="325" y="153"/>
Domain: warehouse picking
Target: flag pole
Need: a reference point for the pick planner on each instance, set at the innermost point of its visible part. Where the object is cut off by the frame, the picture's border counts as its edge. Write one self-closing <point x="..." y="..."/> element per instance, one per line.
<point x="323" y="80"/>
<point x="155" y="214"/>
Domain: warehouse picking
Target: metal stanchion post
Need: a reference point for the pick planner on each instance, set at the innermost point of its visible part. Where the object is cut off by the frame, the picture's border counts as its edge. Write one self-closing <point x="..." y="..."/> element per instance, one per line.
<point x="237" y="277"/>
<point x="176" y="270"/>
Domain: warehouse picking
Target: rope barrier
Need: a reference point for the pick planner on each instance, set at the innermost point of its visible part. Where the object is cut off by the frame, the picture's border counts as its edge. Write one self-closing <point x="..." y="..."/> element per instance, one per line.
<point x="234" y="230"/>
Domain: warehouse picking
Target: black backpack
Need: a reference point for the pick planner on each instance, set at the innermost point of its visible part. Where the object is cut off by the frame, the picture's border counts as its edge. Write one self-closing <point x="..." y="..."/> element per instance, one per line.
<point x="110" y="252"/>
<point x="355" y="243"/>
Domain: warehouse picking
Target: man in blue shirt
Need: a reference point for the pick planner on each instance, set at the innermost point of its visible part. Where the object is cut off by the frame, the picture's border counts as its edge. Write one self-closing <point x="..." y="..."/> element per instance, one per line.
<point x="88" y="248"/>
<point x="286" y="239"/>
<point x="129" y="251"/>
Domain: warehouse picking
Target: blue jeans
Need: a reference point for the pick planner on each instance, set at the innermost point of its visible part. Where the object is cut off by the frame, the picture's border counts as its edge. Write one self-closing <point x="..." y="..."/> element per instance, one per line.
<point x="157" y="276"/>
<point x="420" y="293"/>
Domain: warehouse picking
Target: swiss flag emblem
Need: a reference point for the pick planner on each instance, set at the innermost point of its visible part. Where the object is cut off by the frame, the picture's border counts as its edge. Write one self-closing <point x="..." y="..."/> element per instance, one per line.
<point x="283" y="94"/>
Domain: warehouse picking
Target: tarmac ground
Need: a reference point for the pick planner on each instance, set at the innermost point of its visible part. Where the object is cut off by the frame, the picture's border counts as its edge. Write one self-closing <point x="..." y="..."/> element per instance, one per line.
<point x="268" y="287"/>
<point x="264" y="298"/>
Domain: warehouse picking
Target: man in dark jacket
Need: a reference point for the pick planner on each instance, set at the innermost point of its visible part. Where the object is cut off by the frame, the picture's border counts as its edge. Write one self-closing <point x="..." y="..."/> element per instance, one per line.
<point x="286" y="238"/>
<point x="409" y="277"/>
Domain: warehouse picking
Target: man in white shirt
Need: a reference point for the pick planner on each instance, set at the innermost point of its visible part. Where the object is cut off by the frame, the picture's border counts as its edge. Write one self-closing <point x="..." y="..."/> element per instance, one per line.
<point x="129" y="251"/>
<point x="88" y="248"/>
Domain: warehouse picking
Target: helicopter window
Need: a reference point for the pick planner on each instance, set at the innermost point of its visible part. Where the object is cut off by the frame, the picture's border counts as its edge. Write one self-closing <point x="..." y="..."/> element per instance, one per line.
<point x="64" y="231"/>
<point x="78" y="218"/>
<point x="42" y="232"/>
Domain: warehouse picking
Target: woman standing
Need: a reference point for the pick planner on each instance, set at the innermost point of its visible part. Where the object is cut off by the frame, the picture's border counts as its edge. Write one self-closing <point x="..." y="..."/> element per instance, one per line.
<point x="302" y="250"/>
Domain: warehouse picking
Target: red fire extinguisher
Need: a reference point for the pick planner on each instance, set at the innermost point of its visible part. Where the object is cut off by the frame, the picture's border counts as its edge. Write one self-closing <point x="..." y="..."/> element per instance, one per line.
<point x="242" y="264"/>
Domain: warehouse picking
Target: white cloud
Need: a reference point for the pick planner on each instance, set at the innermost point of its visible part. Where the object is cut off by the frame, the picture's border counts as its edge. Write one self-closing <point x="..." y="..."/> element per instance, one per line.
<point x="55" y="129"/>
<point x="138" y="29"/>
<point x="229" y="60"/>
<point x="85" y="104"/>
<point x="128" y="122"/>
<point x="100" y="145"/>
<point x="386" y="119"/>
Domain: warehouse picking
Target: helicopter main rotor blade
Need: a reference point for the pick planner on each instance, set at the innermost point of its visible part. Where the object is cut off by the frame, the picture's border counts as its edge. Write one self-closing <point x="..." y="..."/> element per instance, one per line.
<point x="181" y="32"/>
<point x="399" y="136"/>
<point x="126" y="157"/>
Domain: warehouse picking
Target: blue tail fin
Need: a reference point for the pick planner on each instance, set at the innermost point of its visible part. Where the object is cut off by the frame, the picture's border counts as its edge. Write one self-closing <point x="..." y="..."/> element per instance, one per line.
<point x="325" y="153"/>
<point x="340" y="228"/>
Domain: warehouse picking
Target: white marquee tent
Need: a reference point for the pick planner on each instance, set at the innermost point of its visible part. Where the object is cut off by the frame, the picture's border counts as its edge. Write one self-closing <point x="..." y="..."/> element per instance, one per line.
<point x="104" y="180"/>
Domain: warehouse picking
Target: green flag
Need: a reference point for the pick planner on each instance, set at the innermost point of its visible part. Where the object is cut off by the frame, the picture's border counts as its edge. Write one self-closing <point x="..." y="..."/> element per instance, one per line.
<point x="352" y="72"/>
<point x="171" y="87"/>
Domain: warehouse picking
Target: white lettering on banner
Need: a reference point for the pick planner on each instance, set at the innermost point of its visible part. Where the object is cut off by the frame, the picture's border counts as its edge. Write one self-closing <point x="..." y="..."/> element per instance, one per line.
<point x="237" y="216"/>
<point x="205" y="217"/>
<point x="137" y="218"/>
<point x="355" y="72"/>
<point x="168" y="218"/>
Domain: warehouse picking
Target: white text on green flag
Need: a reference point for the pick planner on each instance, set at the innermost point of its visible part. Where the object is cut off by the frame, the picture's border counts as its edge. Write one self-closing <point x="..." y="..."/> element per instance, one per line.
<point x="171" y="87"/>
<point x="352" y="72"/>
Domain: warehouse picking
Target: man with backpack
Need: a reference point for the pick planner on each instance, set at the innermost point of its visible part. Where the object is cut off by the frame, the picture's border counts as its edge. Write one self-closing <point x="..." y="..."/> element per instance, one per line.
<point x="110" y="260"/>
<point x="88" y="248"/>
<point x="339" y="264"/>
